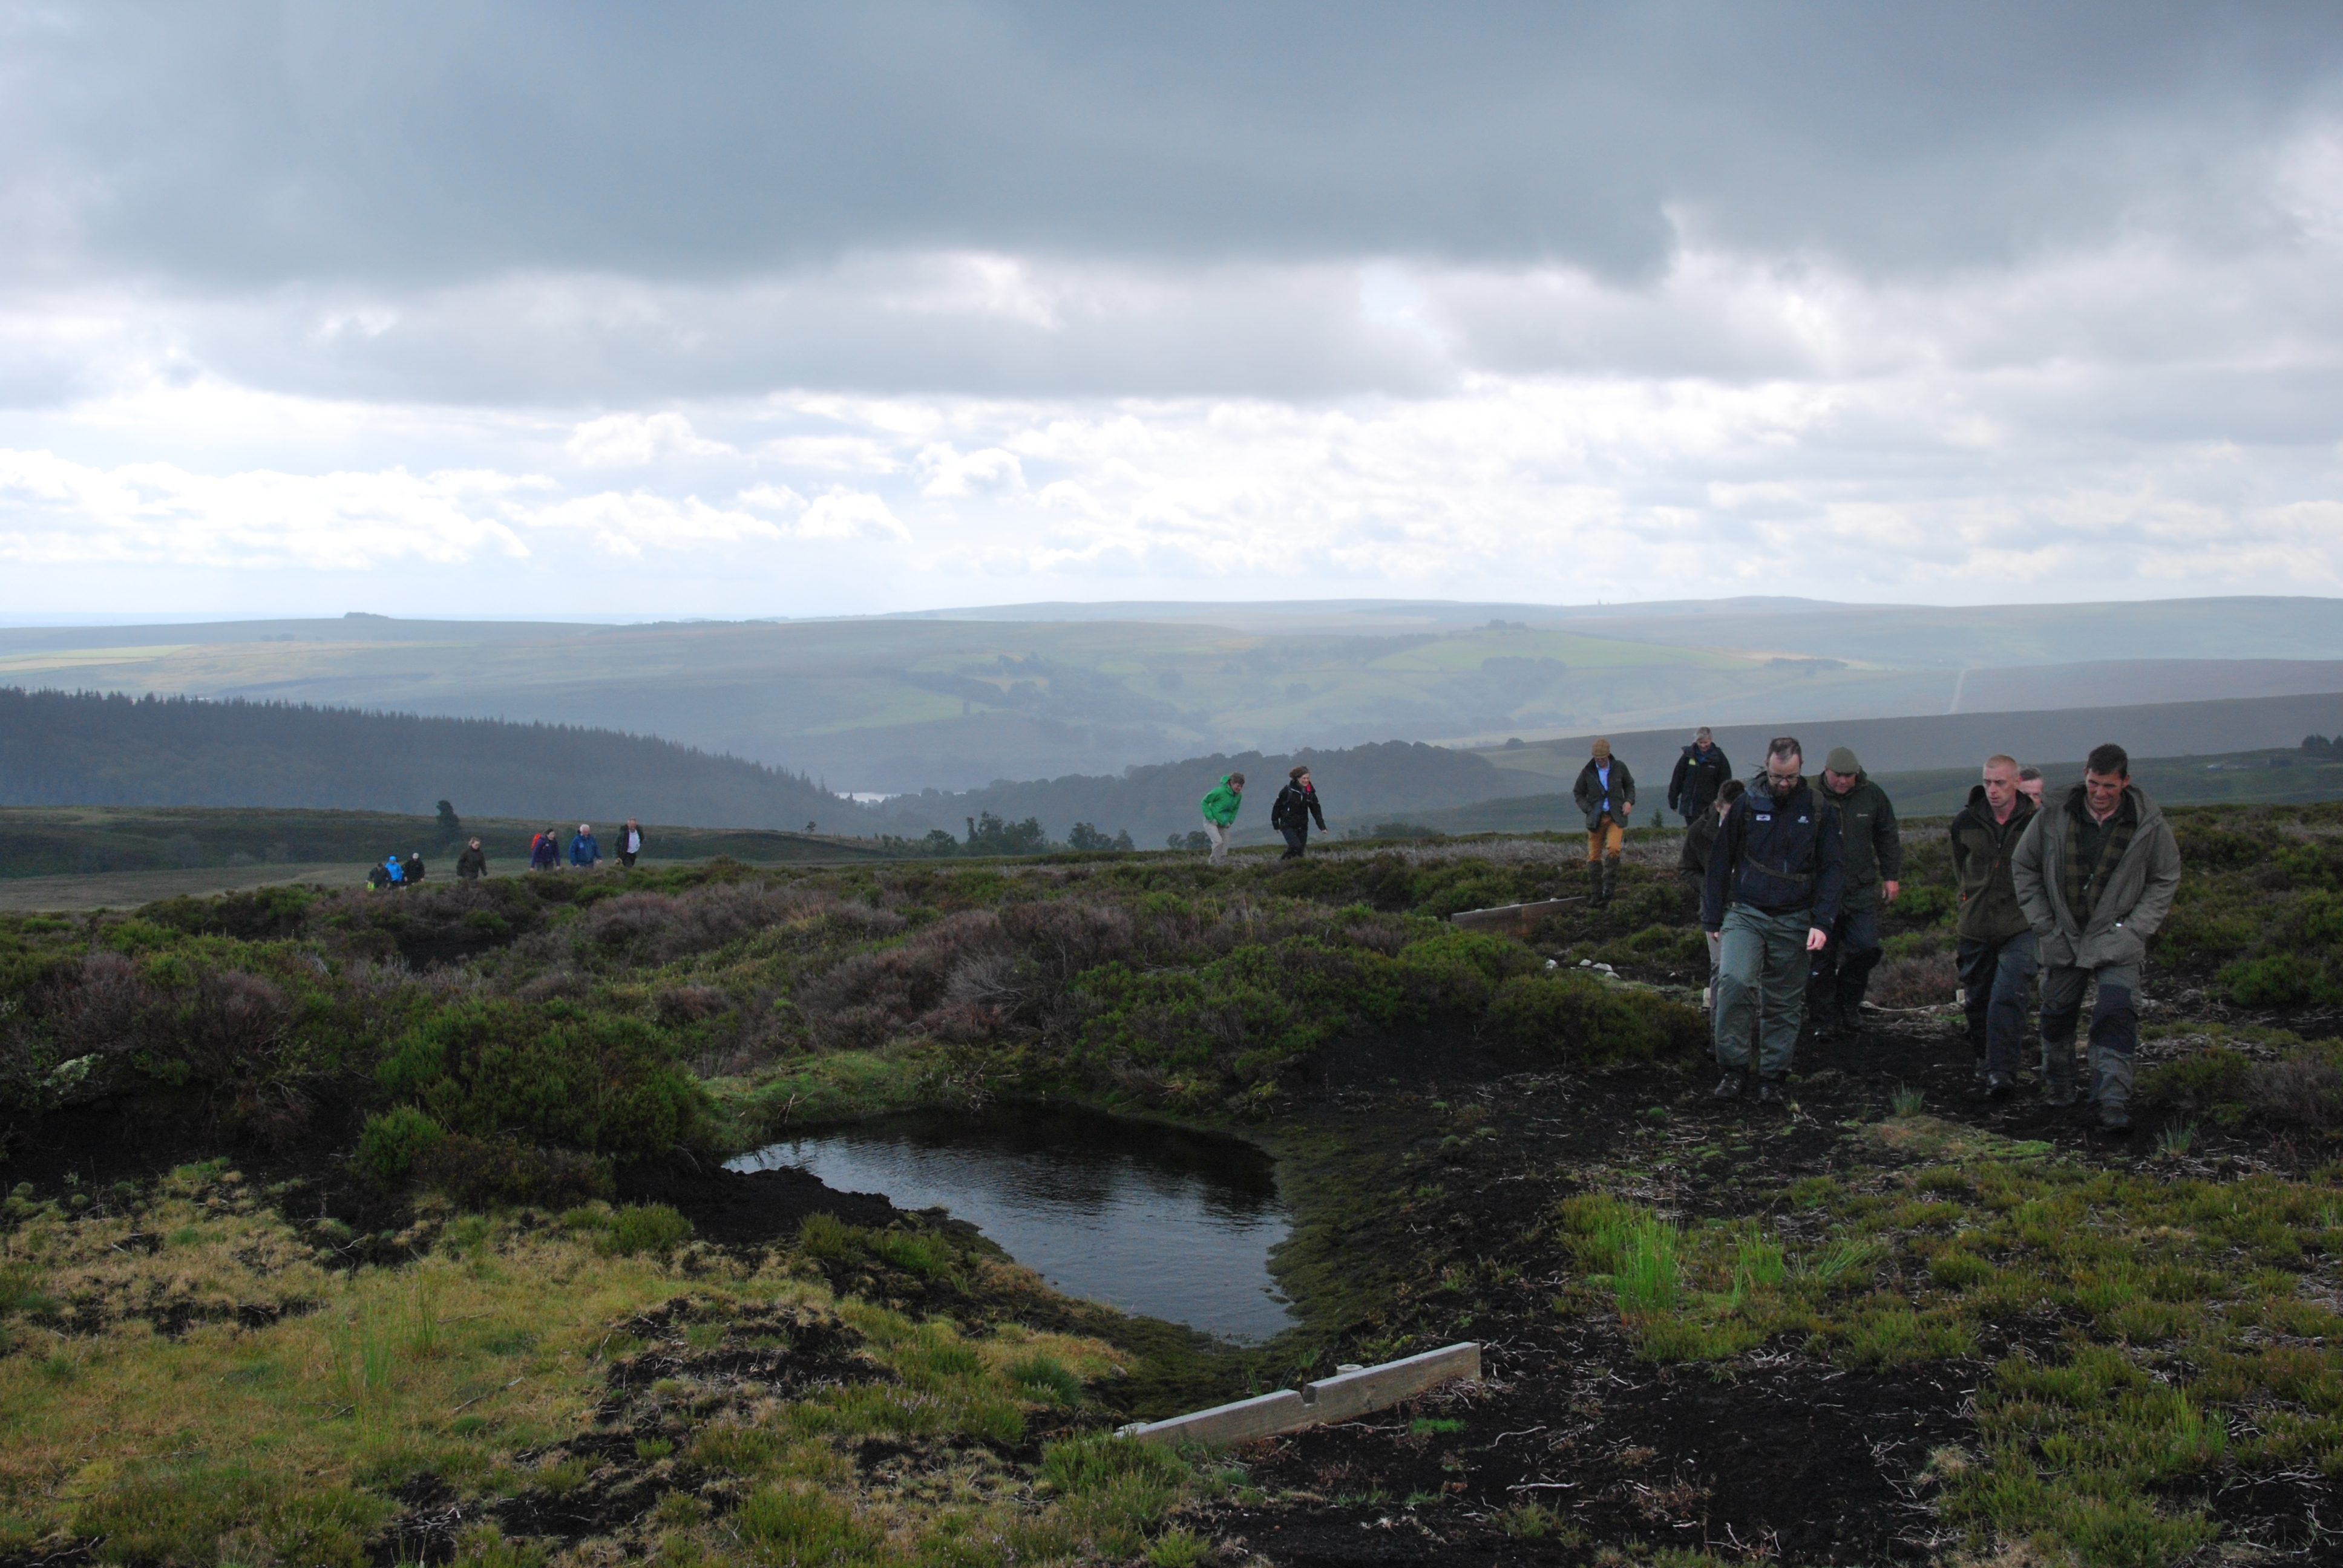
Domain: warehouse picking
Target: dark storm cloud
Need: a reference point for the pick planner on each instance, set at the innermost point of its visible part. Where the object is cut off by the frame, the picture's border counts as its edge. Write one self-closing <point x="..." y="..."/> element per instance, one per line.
<point x="232" y="145"/>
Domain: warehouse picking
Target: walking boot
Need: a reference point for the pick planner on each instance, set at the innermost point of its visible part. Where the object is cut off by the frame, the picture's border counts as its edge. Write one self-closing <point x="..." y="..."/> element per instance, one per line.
<point x="1729" y="1086"/>
<point x="1772" y="1091"/>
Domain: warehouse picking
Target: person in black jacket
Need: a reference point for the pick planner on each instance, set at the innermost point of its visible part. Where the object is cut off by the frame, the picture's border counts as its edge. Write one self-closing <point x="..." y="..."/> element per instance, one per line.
<point x="1700" y="842"/>
<point x="1291" y="812"/>
<point x="1775" y="882"/>
<point x="473" y="863"/>
<point x="414" y="867"/>
<point x="1605" y="791"/>
<point x="1700" y="773"/>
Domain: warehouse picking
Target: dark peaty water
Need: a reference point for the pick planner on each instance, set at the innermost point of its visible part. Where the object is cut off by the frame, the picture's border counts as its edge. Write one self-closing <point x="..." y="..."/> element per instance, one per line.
<point x="1150" y="1218"/>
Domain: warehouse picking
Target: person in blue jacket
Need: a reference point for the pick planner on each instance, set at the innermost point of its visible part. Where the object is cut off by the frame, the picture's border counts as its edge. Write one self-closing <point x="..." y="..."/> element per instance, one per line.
<point x="583" y="850"/>
<point x="1775" y="879"/>
<point x="545" y="853"/>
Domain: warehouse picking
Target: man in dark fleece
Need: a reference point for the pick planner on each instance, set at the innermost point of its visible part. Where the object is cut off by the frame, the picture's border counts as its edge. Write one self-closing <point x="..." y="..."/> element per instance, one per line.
<point x="1875" y="865"/>
<point x="2095" y="875"/>
<point x="473" y="863"/>
<point x="1700" y="773"/>
<point x="1291" y="812"/>
<point x="1605" y="791"/>
<point x="1775" y="881"/>
<point x="1996" y="953"/>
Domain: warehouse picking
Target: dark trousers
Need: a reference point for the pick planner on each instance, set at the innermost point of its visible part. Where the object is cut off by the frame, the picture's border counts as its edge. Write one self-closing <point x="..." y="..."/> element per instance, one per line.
<point x="1996" y="984"/>
<point x="2115" y="1029"/>
<point x="1297" y="839"/>
<point x="1841" y="971"/>
<point x="626" y="858"/>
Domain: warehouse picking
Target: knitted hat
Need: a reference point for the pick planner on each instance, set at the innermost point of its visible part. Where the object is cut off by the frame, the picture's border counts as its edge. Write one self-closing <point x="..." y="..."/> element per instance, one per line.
<point x="1841" y="760"/>
<point x="1603" y="751"/>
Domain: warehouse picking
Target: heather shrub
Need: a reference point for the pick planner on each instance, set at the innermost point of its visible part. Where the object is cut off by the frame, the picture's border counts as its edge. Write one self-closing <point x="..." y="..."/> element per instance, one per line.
<point x="2280" y="979"/>
<point x="474" y="1172"/>
<point x="1925" y="979"/>
<point x="1593" y="1022"/>
<point x="554" y="1071"/>
<point x="391" y="1140"/>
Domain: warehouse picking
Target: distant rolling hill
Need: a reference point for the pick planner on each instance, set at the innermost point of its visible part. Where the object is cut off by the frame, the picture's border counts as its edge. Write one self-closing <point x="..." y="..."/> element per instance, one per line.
<point x="956" y="700"/>
<point x="2275" y="776"/>
<point x="1960" y="740"/>
<point x="60" y="749"/>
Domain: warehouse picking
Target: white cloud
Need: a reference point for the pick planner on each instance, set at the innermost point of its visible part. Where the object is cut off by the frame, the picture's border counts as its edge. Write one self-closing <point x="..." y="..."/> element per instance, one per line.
<point x="631" y="440"/>
<point x="55" y="512"/>
<point x="849" y="515"/>
<point x="944" y="471"/>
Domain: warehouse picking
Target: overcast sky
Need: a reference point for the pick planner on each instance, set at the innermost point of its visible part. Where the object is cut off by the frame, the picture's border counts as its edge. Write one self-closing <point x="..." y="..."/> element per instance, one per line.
<point x="580" y="309"/>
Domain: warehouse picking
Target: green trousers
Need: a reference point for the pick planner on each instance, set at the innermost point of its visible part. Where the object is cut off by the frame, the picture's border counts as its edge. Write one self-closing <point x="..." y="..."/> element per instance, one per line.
<point x="1761" y="987"/>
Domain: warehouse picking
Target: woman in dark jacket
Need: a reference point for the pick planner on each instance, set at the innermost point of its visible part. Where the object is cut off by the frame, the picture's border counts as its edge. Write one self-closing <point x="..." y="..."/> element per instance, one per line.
<point x="1291" y="812"/>
<point x="473" y="863"/>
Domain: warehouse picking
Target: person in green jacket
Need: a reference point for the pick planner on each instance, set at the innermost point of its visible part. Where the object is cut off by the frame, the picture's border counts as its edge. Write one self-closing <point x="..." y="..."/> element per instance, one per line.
<point x="1220" y="808"/>
<point x="1875" y="863"/>
<point x="2096" y="874"/>
<point x="1997" y="951"/>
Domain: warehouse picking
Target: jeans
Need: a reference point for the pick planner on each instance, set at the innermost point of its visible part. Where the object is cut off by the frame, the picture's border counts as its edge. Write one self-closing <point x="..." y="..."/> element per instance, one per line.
<point x="1297" y="839"/>
<point x="2115" y="1031"/>
<point x="1761" y="981"/>
<point x="1997" y="982"/>
<point x="1219" y="834"/>
<point x="1841" y="971"/>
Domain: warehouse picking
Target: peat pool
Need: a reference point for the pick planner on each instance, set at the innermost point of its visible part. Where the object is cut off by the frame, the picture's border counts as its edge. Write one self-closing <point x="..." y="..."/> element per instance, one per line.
<point x="1150" y="1218"/>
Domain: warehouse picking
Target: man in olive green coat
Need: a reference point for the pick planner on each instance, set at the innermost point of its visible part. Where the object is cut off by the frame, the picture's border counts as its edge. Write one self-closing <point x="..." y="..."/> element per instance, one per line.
<point x="1874" y="863"/>
<point x="2096" y="874"/>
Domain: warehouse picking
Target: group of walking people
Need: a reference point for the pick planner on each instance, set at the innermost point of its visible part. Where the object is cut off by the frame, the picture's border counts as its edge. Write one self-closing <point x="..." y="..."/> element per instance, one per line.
<point x="1291" y="813"/>
<point x="544" y="852"/>
<point x="1794" y="871"/>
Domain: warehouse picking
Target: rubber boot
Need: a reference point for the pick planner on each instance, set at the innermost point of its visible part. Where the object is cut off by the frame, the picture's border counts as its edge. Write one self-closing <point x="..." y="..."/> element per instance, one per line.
<point x="1594" y="893"/>
<point x="1610" y="878"/>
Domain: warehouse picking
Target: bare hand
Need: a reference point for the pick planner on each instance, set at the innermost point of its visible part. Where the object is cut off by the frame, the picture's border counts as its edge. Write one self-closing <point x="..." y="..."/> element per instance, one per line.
<point x="1817" y="939"/>
<point x="1891" y="889"/>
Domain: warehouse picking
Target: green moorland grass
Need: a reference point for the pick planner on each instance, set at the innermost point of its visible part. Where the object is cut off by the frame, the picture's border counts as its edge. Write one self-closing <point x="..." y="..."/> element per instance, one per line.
<point x="2168" y="1332"/>
<point x="510" y="1044"/>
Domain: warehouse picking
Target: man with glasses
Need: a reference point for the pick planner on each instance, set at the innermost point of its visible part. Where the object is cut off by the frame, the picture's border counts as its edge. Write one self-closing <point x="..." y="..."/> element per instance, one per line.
<point x="2096" y="874"/>
<point x="1776" y="880"/>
